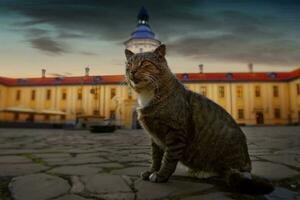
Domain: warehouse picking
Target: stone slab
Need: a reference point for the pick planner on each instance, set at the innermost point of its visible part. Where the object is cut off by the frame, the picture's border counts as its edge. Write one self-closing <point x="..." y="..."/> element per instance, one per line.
<point x="272" y="171"/>
<point x="52" y="155"/>
<point x="105" y="183"/>
<point x="20" y="169"/>
<point x="117" y="196"/>
<point x="285" y="159"/>
<point x="76" y="170"/>
<point x="71" y="197"/>
<point x="75" y="160"/>
<point x="210" y="196"/>
<point x="283" y="194"/>
<point x="14" y="160"/>
<point x="37" y="187"/>
<point x="148" y="191"/>
<point x="130" y="171"/>
<point x="108" y="165"/>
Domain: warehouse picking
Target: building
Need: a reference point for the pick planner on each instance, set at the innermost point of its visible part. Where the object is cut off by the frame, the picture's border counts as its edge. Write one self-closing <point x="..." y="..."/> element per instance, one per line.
<point x="251" y="98"/>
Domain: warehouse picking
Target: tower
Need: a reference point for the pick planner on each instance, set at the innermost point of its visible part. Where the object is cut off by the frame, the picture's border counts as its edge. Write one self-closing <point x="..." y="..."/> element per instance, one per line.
<point x="142" y="38"/>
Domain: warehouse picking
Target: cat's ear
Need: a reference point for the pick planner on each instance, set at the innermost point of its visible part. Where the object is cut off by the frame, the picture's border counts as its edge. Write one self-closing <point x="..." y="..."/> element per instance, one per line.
<point x="161" y="50"/>
<point x="128" y="53"/>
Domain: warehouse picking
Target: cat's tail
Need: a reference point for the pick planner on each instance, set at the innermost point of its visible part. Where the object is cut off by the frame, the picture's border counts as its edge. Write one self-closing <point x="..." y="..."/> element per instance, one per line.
<point x="243" y="182"/>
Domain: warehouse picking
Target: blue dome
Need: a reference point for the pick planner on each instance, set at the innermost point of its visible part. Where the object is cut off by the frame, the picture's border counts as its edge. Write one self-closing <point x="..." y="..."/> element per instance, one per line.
<point x="142" y="31"/>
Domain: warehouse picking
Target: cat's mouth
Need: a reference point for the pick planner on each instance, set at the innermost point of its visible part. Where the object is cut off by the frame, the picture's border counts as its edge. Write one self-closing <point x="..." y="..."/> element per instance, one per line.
<point x="139" y="84"/>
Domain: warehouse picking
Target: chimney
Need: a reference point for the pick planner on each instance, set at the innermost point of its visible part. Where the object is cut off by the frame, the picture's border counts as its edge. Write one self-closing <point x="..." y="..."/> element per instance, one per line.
<point x="250" y="66"/>
<point x="201" y="68"/>
<point x="87" y="71"/>
<point x="43" y="73"/>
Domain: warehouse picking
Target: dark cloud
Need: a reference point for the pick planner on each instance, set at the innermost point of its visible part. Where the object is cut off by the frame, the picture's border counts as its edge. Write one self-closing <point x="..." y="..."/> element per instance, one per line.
<point x="36" y="32"/>
<point x="241" y="31"/>
<point x="239" y="49"/>
<point x="87" y="53"/>
<point x="48" y="45"/>
<point x="104" y="19"/>
<point x="70" y="35"/>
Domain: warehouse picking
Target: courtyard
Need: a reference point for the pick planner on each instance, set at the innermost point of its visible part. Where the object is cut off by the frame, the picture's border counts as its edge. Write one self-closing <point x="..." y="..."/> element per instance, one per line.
<point x="57" y="164"/>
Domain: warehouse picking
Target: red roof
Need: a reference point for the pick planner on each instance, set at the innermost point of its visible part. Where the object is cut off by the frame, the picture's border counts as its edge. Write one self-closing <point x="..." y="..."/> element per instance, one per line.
<point x="185" y="77"/>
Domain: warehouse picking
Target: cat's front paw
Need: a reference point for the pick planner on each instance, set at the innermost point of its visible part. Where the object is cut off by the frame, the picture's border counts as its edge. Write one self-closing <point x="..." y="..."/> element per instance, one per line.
<point x="157" y="178"/>
<point x="145" y="175"/>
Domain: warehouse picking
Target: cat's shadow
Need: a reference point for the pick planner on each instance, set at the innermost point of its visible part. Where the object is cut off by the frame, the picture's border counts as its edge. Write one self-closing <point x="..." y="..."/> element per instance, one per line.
<point x="218" y="185"/>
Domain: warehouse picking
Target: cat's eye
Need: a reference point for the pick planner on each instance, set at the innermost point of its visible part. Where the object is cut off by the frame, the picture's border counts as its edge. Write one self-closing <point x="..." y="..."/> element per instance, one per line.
<point x="128" y="66"/>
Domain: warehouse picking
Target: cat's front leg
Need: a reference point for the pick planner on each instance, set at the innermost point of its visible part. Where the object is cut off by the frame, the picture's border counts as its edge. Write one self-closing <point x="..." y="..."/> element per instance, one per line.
<point x="175" y="145"/>
<point x="157" y="155"/>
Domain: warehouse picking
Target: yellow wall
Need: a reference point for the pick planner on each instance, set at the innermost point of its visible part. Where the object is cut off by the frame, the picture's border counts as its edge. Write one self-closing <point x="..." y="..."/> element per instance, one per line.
<point x="295" y="100"/>
<point x="266" y="103"/>
<point x="124" y="102"/>
<point x="3" y="91"/>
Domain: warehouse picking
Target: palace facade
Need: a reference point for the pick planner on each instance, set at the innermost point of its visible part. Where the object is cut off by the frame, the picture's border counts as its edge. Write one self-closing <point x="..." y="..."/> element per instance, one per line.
<point x="251" y="98"/>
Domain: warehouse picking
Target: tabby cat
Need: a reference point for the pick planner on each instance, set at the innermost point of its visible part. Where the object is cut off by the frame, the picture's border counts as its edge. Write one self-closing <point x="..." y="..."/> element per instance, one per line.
<point x="187" y="127"/>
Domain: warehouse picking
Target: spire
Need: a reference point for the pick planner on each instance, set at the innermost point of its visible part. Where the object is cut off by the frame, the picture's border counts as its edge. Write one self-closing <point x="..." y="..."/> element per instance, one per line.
<point x="143" y="17"/>
<point x="142" y="38"/>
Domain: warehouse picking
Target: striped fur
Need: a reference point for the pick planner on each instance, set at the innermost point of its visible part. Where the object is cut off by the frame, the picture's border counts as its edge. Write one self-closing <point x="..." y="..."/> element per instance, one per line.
<point x="185" y="126"/>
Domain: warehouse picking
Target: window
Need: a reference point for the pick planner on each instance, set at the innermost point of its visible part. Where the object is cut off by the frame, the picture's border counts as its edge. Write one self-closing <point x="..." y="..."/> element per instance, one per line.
<point x="48" y="95"/>
<point x="275" y="91"/>
<point x="79" y="94"/>
<point x="203" y="90"/>
<point x="32" y="95"/>
<point x="299" y="115"/>
<point x="112" y="114"/>
<point x="64" y="94"/>
<point x="129" y="93"/>
<point x="63" y="117"/>
<point x="18" y="95"/>
<point x="277" y="113"/>
<point x="112" y="92"/>
<point x="239" y="91"/>
<point x="95" y="92"/>
<point x="221" y="92"/>
<point x="16" y="116"/>
<point x="298" y="88"/>
<point x="96" y="112"/>
<point x="47" y="117"/>
<point x="141" y="50"/>
<point x="241" y="114"/>
<point x="96" y="96"/>
<point x="185" y="76"/>
<point x="257" y="91"/>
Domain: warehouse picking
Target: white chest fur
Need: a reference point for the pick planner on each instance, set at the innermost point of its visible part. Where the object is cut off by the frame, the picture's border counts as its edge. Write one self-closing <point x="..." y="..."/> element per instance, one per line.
<point x="144" y="97"/>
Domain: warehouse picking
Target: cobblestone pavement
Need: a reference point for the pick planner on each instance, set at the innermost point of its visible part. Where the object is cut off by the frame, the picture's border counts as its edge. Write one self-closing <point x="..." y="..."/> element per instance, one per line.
<point x="37" y="164"/>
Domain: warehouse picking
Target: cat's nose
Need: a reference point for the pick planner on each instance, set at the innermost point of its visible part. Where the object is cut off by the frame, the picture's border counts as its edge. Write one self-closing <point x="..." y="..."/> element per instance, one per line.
<point x="133" y="73"/>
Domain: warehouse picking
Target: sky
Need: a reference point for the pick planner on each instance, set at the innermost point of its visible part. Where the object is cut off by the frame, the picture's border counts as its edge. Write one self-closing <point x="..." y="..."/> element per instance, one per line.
<point x="65" y="36"/>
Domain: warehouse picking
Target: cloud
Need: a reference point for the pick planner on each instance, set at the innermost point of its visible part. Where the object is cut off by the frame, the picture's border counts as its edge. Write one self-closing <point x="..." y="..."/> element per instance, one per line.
<point x="239" y="49"/>
<point x="70" y="35"/>
<point x="36" y="32"/>
<point x="87" y="53"/>
<point x="104" y="19"/>
<point x="195" y="29"/>
<point x="48" y="45"/>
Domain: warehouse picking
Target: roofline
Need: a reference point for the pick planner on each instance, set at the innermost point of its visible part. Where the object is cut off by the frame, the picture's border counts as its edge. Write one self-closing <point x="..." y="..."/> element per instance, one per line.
<point x="216" y="77"/>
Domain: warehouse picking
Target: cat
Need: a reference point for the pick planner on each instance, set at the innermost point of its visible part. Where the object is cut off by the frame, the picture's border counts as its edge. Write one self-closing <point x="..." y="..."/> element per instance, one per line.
<point x="187" y="127"/>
